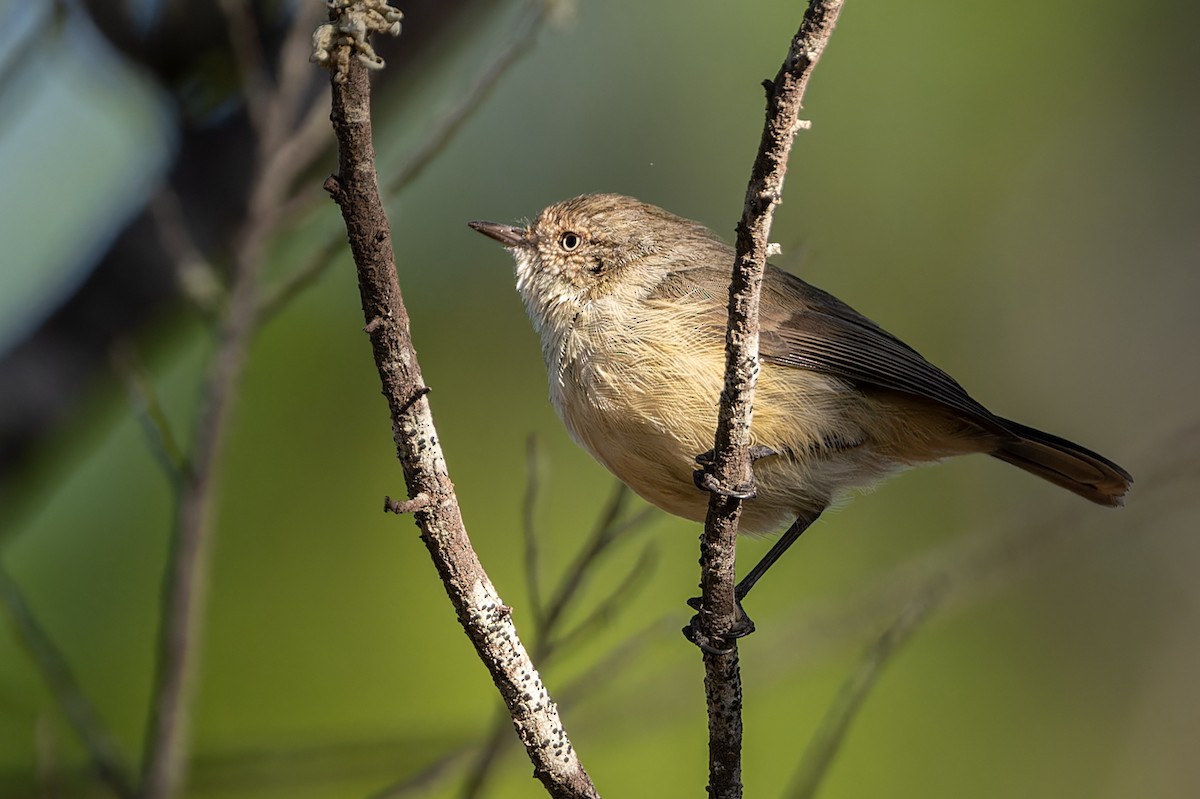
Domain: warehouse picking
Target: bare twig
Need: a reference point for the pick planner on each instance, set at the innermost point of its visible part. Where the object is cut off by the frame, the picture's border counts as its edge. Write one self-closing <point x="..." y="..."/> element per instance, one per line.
<point x="309" y="137"/>
<point x="731" y="468"/>
<point x="197" y="278"/>
<point x="443" y="129"/>
<point x="163" y="443"/>
<point x="635" y="579"/>
<point x="186" y="580"/>
<point x="435" y="139"/>
<point x="974" y="564"/>
<point x="550" y="639"/>
<point x="247" y="52"/>
<point x="529" y="534"/>
<point x="586" y="685"/>
<point x="295" y="77"/>
<point x="604" y="534"/>
<point x="484" y="617"/>
<point x="828" y="739"/>
<point x="107" y="760"/>
<point x="185" y="585"/>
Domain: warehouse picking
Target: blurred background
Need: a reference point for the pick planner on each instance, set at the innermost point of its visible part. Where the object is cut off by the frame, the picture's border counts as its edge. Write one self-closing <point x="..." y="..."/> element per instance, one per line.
<point x="1013" y="188"/>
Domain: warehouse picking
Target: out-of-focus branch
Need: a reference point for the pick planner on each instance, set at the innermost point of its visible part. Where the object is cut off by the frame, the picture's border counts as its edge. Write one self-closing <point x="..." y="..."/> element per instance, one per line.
<point x="719" y="612"/>
<point x="438" y="136"/>
<point x="533" y="483"/>
<point x="244" y="44"/>
<point x="195" y="275"/>
<point x="484" y="617"/>
<point x="821" y="750"/>
<point x="977" y="563"/>
<point x="550" y="637"/>
<point x="185" y="584"/>
<point x="142" y="395"/>
<point x="444" y="128"/>
<point x="284" y="146"/>
<point x="107" y="760"/>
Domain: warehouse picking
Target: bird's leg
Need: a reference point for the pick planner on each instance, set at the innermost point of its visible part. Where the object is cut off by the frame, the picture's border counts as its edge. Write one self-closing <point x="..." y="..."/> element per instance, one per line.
<point x="745" y="625"/>
<point x="788" y="538"/>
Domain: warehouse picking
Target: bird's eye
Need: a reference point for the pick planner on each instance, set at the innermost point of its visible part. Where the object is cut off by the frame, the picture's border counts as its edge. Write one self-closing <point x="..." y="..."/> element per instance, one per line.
<point x="570" y="241"/>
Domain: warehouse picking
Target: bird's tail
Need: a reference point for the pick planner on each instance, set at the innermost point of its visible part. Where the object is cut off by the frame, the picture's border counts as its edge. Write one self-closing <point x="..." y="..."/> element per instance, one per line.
<point x="1065" y="464"/>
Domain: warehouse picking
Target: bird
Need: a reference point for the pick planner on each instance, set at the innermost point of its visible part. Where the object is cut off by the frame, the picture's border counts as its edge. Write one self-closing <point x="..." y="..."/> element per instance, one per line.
<point x="630" y="305"/>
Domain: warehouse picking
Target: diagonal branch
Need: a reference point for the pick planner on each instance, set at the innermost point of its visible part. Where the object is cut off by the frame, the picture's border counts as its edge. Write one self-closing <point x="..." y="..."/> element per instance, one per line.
<point x="719" y="612"/>
<point x="829" y="737"/>
<point x="443" y="129"/>
<point x="106" y="757"/>
<point x="187" y="575"/>
<point x="484" y="617"/>
<point x="439" y="134"/>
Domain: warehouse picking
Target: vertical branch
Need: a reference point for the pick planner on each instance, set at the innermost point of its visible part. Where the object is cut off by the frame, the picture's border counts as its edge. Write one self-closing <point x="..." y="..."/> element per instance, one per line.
<point x="731" y="468"/>
<point x="185" y="584"/>
<point x="484" y="617"/>
<point x="186" y="581"/>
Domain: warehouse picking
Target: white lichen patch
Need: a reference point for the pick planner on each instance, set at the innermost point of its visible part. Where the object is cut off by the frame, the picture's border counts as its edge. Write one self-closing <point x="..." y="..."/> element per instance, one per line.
<point x="334" y="43"/>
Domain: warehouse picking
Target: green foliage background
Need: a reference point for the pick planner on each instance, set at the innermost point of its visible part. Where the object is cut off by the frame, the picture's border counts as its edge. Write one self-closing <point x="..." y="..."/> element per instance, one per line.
<point x="1011" y="187"/>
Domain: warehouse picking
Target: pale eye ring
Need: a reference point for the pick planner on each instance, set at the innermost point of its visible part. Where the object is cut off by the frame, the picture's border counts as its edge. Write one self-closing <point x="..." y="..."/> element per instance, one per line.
<point x="570" y="240"/>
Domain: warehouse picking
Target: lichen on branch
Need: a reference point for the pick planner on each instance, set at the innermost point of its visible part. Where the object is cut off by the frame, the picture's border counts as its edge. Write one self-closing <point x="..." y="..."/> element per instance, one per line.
<point x="345" y="35"/>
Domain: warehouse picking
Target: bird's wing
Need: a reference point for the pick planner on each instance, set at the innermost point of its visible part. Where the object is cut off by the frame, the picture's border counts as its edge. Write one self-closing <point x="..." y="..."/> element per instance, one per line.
<point x="804" y="327"/>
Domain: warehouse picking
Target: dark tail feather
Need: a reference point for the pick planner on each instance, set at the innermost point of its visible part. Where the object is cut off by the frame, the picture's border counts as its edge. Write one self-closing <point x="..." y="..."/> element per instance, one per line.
<point x="1065" y="464"/>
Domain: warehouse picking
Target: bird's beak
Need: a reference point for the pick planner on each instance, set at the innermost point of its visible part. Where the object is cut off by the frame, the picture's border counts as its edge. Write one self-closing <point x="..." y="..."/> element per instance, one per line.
<point x="507" y="235"/>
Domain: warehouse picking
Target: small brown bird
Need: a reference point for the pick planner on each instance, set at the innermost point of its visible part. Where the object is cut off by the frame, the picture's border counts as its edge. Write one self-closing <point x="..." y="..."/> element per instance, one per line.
<point x="630" y="303"/>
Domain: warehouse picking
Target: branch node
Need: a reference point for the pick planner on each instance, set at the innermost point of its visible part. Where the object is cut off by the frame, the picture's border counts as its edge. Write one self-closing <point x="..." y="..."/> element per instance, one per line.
<point x="373" y="325"/>
<point x="420" y="392"/>
<point x="413" y="505"/>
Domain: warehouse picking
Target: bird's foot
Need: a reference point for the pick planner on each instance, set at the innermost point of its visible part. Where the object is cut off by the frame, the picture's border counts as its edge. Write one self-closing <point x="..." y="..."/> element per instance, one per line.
<point x="705" y="480"/>
<point x="717" y="644"/>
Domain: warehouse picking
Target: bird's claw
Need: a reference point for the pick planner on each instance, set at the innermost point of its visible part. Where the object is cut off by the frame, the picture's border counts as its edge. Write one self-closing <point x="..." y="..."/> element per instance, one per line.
<point x="716" y="645"/>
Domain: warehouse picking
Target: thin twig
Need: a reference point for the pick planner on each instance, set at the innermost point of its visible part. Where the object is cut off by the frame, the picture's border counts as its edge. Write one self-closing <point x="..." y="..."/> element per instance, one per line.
<point x="606" y="531"/>
<point x="484" y="617"/>
<point x="637" y="578"/>
<point x="295" y="78"/>
<point x="973" y="564"/>
<point x="443" y="129"/>
<point x="426" y="778"/>
<point x="107" y="760"/>
<point x="828" y="739"/>
<point x="435" y="139"/>
<point x="310" y="136"/>
<point x="549" y="640"/>
<point x="197" y="278"/>
<point x="248" y="54"/>
<point x="731" y="468"/>
<point x="529" y="535"/>
<point x="185" y="584"/>
<point x="163" y="444"/>
<point x="584" y="686"/>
